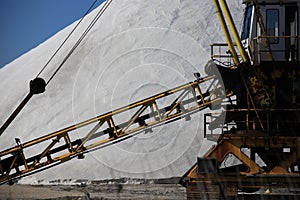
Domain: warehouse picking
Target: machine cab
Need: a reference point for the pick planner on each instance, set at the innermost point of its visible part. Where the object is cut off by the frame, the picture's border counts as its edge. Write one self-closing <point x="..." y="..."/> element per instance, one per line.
<point x="271" y="30"/>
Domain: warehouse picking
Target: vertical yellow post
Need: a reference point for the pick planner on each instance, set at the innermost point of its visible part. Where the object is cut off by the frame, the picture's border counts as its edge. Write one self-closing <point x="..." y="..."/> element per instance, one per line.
<point x="234" y="31"/>
<point x="226" y="32"/>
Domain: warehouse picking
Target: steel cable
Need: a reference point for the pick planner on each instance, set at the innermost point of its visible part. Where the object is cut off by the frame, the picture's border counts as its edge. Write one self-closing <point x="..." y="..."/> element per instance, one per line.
<point x="69" y="35"/>
<point x="38" y="85"/>
<point x="96" y="18"/>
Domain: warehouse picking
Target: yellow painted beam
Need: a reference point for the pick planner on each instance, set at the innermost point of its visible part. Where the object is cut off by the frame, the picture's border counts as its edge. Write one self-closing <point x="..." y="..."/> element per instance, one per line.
<point x="226" y="32"/>
<point x="234" y="31"/>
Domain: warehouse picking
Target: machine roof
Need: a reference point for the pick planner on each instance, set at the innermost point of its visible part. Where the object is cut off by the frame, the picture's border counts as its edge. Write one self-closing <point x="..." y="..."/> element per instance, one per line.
<point x="273" y="1"/>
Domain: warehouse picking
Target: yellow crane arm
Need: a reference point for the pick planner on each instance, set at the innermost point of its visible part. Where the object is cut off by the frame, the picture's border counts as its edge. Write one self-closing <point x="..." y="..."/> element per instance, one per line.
<point x="185" y="99"/>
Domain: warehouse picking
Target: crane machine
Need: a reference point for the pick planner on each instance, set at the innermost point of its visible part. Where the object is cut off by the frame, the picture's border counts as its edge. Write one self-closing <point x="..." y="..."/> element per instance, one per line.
<point x="254" y="82"/>
<point x="259" y="145"/>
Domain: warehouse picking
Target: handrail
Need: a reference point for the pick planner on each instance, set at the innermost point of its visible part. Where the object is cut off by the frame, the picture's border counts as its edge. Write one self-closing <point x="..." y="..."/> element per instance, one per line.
<point x="219" y="51"/>
<point x="256" y="49"/>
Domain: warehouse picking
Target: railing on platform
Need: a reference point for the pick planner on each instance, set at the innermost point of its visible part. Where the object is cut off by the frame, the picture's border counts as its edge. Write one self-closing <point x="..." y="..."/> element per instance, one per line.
<point x="283" y="122"/>
<point x="283" y="48"/>
<point x="221" y="53"/>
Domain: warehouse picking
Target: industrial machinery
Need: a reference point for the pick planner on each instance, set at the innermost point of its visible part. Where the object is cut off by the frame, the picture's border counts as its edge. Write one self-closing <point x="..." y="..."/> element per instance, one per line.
<point x="257" y="122"/>
<point x="259" y="145"/>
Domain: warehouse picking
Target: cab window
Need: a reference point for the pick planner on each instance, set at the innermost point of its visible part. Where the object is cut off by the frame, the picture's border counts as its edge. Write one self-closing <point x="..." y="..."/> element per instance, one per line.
<point x="273" y="25"/>
<point x="247" y="23"/>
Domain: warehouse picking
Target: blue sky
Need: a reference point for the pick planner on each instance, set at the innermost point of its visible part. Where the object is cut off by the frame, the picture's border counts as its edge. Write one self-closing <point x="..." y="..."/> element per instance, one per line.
<point x="27" y="23"/>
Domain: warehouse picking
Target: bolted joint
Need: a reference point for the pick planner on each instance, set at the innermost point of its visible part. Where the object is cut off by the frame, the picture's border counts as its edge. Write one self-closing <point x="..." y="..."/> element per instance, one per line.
<point x="37" y="86"/>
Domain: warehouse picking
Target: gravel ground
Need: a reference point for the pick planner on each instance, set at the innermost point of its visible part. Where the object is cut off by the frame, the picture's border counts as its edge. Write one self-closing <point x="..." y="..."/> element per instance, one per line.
<point x="94" y="191"/>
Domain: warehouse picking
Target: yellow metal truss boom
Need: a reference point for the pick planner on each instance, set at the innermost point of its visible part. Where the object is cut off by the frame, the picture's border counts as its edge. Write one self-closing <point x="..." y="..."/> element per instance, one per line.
<point x="104" y="129"/>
